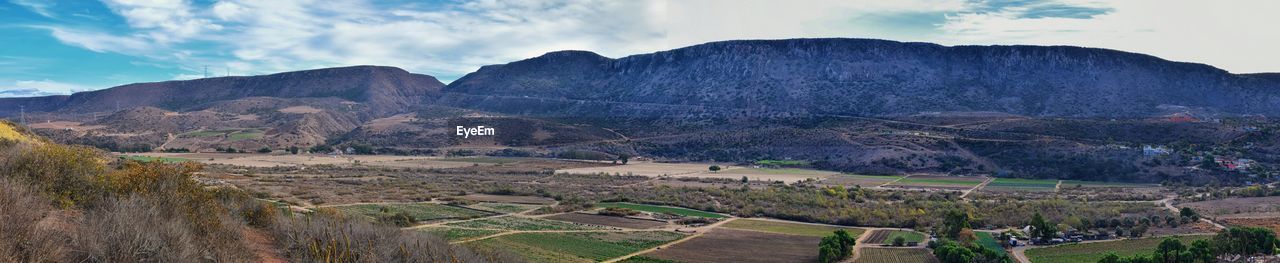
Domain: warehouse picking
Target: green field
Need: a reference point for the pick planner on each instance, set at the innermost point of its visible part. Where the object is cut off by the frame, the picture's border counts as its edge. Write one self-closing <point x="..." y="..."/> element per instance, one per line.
<point x="894" y="255"/>
<point x="987" y="240"/>
<point x="577" y="247"/>
<point x="788" y="228"/>
<point x="873" y="177"/>
<point x="248" y="134"/>
<point x="1023" y="184"/>
<point x="938" y="181"/>
<point x="503" y="208"/>
<point x="522" y="223"/>
<point x="456" y="234"/>
<point x="231" y="134"/>
<point x="1092" y="252"/>
<point x="644" y="259"/>
<point x="662" y="209"/>
<point x="796" y="171"/>
<point x="1074" y="183"/>
<point x="419" y="211"/>
<point x="153" y="159"/>
<point x="783" y="162"/>
<point x="202" y="134"/>
<point x="909" y="236"/>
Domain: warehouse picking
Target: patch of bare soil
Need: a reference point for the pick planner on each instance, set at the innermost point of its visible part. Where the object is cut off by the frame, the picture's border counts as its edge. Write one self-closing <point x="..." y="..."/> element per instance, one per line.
<point x="614" y="221"/>
<point x="727" y="245"/>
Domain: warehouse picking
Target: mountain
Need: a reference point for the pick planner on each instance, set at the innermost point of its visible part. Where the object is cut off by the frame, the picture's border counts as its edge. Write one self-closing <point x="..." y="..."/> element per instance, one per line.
<point x="863" y="77"/>
<point x="383" y="89"/>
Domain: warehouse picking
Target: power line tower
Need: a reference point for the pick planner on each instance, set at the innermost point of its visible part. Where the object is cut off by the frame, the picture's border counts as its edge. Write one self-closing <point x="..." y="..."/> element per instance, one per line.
<point x="22" y="117"/>
<point x="206" y="71"/>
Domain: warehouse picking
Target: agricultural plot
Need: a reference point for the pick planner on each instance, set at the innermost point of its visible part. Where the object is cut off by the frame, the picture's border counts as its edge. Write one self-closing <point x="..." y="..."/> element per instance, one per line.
<point x="503" y="208"/>
<point x="1240" y="207"/>
<point x="154" y="159"/>
<point x="788" y="175"/>
<point x="860" y="180"/>
<point x="894" y="255"/>
<point x="646" y="169"/>
<point x="578" y="246"/>
<point x="1018" y="184"/>
<point x="516" y="199"/>
<point x="938" y="182"/>
<point x="662" y="209"/>
<point x="1092" y="252"/>
<point x="886" y="237"/>
<point x="523" y="223"/>
<point x="613" y="221"/>
<point x="731" y="245"/>
<point x="788" y="228"/>
<point x="1073" y="183"/>
<point x="230" y="135"/>
<point x="985" y="239"/>
<point x="456" y="234"/>
<point x="419" y="211"/>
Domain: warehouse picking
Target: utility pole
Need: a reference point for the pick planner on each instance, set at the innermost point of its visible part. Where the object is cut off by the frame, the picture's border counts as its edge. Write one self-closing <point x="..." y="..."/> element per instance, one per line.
<point x="206" y="71"/>
<point x="228" y="71"/>
<point x="23" y="114"/>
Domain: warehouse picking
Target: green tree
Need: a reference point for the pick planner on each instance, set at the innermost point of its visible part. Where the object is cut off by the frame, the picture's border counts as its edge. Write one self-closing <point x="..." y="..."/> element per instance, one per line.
<point x="1041" y="229"/>
<point x="264" y="150"/>
<point x="956" y="220"/>
<point x="714" y="168"/>
<point x="1169" y="250"/>
<point x="1201" y="251"/>
<point x="829" y="250"/>
<point x="952" y="252"/>
<point x="1188" y="213"/>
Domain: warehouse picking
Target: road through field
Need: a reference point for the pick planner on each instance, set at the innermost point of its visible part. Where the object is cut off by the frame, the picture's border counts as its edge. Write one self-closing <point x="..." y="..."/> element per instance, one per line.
<point x="672" y="243"/>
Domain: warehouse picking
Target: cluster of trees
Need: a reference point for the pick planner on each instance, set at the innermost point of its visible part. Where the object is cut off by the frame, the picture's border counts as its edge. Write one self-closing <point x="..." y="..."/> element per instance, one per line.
<point x="836" y="247"/>
<point x="1242" y="241"/>
<point x="958" y="242"/>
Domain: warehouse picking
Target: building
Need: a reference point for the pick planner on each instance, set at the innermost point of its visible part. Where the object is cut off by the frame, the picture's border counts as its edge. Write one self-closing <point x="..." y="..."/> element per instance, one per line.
<point x="1153" y="151"/>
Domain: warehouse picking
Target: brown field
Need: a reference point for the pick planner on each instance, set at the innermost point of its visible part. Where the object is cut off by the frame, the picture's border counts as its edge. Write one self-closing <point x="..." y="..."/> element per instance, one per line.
<point x="509" y="199"/>
<point x="388" y="122"/>
<point x="1268" y="222"/>
<point x="728" y="245"/>
<point x="895" y="255"/>
<point x="1249" y="207"/>
<point x="859" y="180"/>
<point x="268" y="160"/>
<point x="650" y="169"/>
<point x="301" y="110"/>
<point x="938" y="182"/>
<point x="62" y="125"/>
<point x="613" y="221"/>
<point x="787" y="175"/>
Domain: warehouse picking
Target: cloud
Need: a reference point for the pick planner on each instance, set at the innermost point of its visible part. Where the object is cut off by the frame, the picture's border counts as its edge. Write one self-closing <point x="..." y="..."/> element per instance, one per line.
<point x="29" y="88"/>
<point x="102" y="42"/>
<point x="164" y="20"/>
<point x="39" y="7"/>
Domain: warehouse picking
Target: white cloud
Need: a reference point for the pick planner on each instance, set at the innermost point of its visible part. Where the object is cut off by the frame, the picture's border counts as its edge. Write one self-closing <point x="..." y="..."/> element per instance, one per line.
<point x="39" y="7"/>
<point x="166" y="20"/>
<point x="101" y="42"/>
<point x="28" y="88"/>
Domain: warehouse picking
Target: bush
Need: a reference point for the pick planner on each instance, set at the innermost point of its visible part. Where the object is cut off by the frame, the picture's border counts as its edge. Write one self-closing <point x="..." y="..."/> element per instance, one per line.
<point x="321" y="238"/>
<point x="21" y="211"/>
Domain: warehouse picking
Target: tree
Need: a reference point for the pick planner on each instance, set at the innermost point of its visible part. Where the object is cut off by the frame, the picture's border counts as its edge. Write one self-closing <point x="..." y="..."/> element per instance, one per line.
<point x="1169" y="250"/>
<point x="744" y="179"/>
<point x="714" y="168"/>
<point x="967" y="237"/>
<point x="1189" y="213"/>
<point x="1201" y="251"/>
<point x="955" y="221"/>
<point x="1041" y="229"/>
<point x="836" y="247"/>
<point x="1209" y="163"/>
<point x="846" y="242"/>
<point x="624" y="158"/>
<point x="264" y="150"/>
<point x="293" y="149"/>
<point x="899" y="241"/>
<point x="950" y="252"/>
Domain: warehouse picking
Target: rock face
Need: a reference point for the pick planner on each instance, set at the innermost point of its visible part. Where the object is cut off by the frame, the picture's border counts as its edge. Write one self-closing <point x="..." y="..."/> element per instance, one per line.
<point x="382" y="89"/>
<point x="864" y="77"/>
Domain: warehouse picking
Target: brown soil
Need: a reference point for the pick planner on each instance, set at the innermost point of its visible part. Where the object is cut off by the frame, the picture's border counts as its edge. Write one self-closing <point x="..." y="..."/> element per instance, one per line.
<point x="263" y="246"/>
<point x="603" y="220"/>
<point x="727" y="245"/>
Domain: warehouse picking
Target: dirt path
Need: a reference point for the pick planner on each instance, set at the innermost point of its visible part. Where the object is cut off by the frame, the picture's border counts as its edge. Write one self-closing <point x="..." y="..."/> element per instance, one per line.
<point x="672" y="243"/>
<point x="1168" y="204"/>
<point x="975" y="188"/>
<point x="1020" y="254"/>
<point x="263" y="246"/>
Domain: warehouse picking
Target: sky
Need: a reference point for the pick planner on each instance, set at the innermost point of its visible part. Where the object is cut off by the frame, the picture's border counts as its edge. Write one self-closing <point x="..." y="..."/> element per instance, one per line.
<point x="61" y="47"/>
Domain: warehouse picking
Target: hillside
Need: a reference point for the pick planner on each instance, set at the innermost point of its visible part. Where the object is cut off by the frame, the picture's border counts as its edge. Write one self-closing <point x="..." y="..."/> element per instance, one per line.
<point x="863" y="77"/>
<point x="384" y="89"/>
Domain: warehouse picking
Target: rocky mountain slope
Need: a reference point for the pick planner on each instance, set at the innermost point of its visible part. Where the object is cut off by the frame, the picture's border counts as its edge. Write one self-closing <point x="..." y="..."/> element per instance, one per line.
<point x="864" y="77"/>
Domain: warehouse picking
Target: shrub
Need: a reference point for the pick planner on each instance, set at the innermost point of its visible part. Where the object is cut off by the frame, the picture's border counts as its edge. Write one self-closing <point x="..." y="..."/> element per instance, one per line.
<point x="320" y="238"/>
<point x="21" y="211"/>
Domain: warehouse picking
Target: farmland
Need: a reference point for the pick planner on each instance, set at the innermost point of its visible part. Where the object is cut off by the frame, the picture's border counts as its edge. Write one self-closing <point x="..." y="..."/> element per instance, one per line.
<point x="613" y="221"/>
<point x="662" y="209"/>
<point x="1017" y="184"/>
<point x="522" y="223"/>
<point x="860" y="180"/>
<point x="1097" y="184"/>
<point x="940" y="182"/>
<point x="419" y="211"/>
<point x="894" y="255"/>
<point x="788" y="228"/>
<point x="153" y="159"/>
<point x="577" y="247"/>
<point x="987" y="240"/>
<point x="503" y="208"/>
<point x="456" y="234"/>
<point x="886" y="237"/>
<point x="730" y="245"/>
<point x="1091" y="252"/>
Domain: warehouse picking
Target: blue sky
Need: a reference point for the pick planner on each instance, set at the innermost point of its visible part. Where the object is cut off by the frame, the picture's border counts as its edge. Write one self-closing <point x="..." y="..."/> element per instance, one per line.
<point x="60" y="47"/>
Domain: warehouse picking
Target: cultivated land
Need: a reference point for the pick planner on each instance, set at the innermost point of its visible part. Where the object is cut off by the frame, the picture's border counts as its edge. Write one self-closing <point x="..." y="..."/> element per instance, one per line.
<point x="577" y="247"/>
<point x="650" y="169"/>
<point x="509" y="199"/>
<point x="273" y="160"/>
<point x="603" y="220"/>
<point x="1092" y="252"/>
<point x="730" y="245"/>
<point x="662" y="209"/>
<point x="523" y="224"/>
<point x="700" y="170"/>
<point x="886" y="237"/>
<point x="1072" y="183"/>
<point x="938" y="182"/>
<point x="1245" y="207"/>
<point x="1016" y="184"/>
<point x="788" y="227"/>
<point x="986" y="239"/>
<point x="860" y="180"/>
<point x="895" y="255"/>
<point x="419" y="211"/>
<point x="458" y="234"/>
<point x="503" y="208"/>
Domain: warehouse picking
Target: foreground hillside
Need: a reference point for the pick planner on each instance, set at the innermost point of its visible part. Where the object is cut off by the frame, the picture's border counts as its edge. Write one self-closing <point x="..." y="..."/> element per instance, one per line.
<point x="73" y="204"/>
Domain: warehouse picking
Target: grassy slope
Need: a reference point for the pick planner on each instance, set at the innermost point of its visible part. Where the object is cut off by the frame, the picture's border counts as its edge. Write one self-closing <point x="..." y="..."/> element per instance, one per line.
<point x="907" y="235"/>
<point x="987" y="240"/>
<point x="420" y="212"/>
